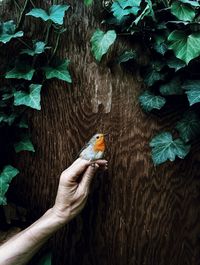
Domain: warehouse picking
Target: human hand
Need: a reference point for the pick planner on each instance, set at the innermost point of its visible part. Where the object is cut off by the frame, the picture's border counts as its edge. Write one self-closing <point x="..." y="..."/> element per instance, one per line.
<point x="74" y="187"/>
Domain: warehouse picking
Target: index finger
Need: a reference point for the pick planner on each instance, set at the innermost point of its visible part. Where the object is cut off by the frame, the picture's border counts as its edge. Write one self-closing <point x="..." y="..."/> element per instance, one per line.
<point x="77" y="168"/>
<point x="80" y="165"/>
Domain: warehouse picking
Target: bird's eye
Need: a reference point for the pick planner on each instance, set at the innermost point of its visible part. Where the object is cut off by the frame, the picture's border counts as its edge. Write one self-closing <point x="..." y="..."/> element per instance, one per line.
<point x="97" y="137"/>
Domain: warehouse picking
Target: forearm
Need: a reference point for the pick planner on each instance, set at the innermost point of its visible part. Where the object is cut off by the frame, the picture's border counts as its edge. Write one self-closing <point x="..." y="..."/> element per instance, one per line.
<point x="21" y="248"/>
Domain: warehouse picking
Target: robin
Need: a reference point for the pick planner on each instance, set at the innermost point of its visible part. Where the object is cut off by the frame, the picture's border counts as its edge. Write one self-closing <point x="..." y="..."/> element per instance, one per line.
<point x="95" y="148"/>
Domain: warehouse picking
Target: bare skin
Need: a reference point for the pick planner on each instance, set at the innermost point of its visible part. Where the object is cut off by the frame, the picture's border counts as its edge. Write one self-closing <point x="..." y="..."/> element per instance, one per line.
<point x="71" y="197"/>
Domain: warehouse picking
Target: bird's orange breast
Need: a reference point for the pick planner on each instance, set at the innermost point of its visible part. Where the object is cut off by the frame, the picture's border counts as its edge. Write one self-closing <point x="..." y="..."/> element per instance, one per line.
<point x="99" y="145"/>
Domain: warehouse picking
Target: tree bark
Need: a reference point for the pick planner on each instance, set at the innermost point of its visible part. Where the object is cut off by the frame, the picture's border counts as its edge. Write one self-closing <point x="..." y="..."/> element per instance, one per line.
<point x="136" y="213"/>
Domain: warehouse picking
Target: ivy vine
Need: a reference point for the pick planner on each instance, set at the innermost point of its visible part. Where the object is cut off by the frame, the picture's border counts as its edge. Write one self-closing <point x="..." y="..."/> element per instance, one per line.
<point x="24" y="76"/>
<point x="169" y="30"/>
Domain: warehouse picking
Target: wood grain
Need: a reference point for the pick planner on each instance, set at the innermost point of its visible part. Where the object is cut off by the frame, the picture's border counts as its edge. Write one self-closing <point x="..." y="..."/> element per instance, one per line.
<point x="137" y="214"/>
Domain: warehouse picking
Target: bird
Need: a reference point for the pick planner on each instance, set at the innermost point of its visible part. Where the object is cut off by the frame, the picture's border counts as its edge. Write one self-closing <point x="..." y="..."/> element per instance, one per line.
<point x="95" y="148"/>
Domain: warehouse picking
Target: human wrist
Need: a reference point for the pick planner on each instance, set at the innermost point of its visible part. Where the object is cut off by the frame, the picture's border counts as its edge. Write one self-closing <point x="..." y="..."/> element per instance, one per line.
<point x="61" y="216"/>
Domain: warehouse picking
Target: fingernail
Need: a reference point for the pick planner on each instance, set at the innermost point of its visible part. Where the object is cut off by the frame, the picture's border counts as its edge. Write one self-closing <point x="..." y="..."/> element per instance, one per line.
<point x="96" y="165"/>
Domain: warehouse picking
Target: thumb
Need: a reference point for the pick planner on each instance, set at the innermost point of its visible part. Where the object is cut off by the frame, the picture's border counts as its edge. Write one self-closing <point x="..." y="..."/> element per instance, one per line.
<point x="88" y="176"/>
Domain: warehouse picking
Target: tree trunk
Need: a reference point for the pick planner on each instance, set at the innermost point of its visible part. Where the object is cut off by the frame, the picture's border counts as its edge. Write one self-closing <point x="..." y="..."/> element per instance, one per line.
<point x="137" y="214"/>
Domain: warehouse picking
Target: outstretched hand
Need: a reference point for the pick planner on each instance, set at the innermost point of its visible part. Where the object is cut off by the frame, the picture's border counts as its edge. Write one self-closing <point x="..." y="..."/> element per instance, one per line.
<point x="72" y="194"/>
<point x="74" y="187"/>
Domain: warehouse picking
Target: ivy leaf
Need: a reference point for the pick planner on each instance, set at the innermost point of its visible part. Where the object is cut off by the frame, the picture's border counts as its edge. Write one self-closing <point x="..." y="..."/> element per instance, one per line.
<point x="152" y="77"/>
<point x="24" y="144"/>
<point x="150" y="5"/>
<point x="153" y="73"/>
<point x="149" y="101"/>
<point x="121" y="8"/>
<point x="7" y="96"/>
<point x="8" y="118"/>
<point x="88" y="2"/>
<point x="175" y="63"/>
<point x="186" y="47"/>
<point x="165" y="148"/>
<point x="38" y="47"/>
<point x="190" y="2"/>
<point x="101" y="42"/>
<point x="6" y="176"/>
<point x="118" y="12"/>
<point x="23" y="123"/>
<point x="173" y="87"/>
<point x="129" y="3"/>
<point x="160" y="48"/>
<point x="126" y="56"/>
<point x="61" y="72"/>
<point x="189" y="126"/>
<point x="55" y="14"/>
<point x="31" y="99"/>
<point x="182" y="12"/>
<point x="21" y="73"/>
<point x="160" y="45"/>
<point x="7" y="31"/>
<point x="192" y="88"/>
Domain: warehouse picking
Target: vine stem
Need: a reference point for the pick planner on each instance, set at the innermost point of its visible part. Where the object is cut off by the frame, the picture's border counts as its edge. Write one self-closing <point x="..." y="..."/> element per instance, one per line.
<point x="22" y="13"/>
<point x="47" y="31"/>
<point x="20" y="40"/>
<point x="55" y="48"/>
<point x="16" y="3"/>
<point x="124" y="34"/>
<point x="32" y="3"/>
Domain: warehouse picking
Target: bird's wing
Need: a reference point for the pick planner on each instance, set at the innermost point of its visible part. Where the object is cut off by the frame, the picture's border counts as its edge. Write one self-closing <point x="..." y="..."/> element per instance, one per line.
<point x="84" y="147"/>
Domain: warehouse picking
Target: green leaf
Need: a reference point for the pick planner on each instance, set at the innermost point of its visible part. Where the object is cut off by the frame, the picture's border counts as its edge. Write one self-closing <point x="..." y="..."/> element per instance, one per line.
<point x="121" y="8"/>
<point x="165" y="148"/>
<point x="118" y="12"/>
<point x="55" y="14"/>
<point x="160" y="46"/>
<point x="23" y="123"/>
<point x="38" y="47"/>
<point x="21" y="73"/>
<point x="153" y="73"/>
<point x="126" y="56"/>
<point x="190" y="2"/>
<point x="7" y="96"/>
<point x="182" y="11"/>
<point x="1" y="117"/>
<point x="173" y="87"/>
<point x="101" y="42"/>
<point x="88" y="2"/>
<point x="149" y="101"/>
<point x="31" y="99"/>
<point x="24" y="144"/>
<point x="152" y="77"/>
<point x="7" y="31"/>
<point x="185" y="47"/>
<point x="6" y="176"/>
<point x="192" y="88"/>
<point x="8" y="118"/>
<point x="61" y="72"/>
<point x="175" y="63"/>
<point x="129" y="3"/>
<point x="150" y="5"/>
<point x="189" y="126"/>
